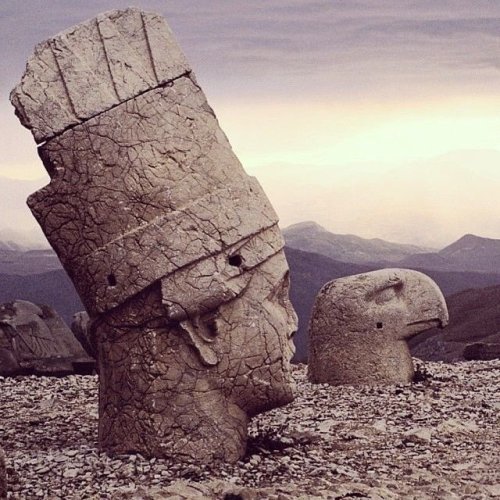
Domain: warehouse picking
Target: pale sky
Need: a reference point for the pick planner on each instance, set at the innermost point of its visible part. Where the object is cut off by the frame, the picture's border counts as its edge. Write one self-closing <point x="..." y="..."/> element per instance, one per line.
<point x="373" y="117"/>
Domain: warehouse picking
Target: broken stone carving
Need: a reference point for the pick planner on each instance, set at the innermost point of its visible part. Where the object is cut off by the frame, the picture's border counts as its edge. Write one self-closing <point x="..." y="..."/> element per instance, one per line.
<point x="482" y="351"/>
<point x="80" y="328"/>
<point x="35" y="340"/>
<point x="3" y="475"/>
<point x="174" y="250"/>
<point x="360" y="325"/>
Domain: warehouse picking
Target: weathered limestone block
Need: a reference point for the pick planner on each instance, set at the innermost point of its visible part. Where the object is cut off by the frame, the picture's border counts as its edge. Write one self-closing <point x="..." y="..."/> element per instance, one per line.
<point x="94" y="66"/>
<point x="360" y="325"/>
<point x="35" y="340"/>
<point x="174" y="250"/>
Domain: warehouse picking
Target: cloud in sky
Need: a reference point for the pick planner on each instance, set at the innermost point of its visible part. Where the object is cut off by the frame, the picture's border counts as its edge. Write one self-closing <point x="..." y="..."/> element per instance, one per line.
<point x="337" y="47"/>
<point x="353" y="89"/>
<point x="431" y="203"/>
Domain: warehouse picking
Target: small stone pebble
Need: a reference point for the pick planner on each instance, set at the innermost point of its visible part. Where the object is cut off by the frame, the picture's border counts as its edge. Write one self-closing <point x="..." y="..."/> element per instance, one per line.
<point x="438" y="438"/>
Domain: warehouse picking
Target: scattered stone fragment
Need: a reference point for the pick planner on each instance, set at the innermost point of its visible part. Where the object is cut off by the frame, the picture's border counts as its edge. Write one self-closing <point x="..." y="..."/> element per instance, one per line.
<point x="3" y="475"/>
<point x="360" y="324"/>
<point x="453" y="426"/>
<point x="419" y="435"/>
<point x="35" y="340"/>
<point x="328" y="443"/>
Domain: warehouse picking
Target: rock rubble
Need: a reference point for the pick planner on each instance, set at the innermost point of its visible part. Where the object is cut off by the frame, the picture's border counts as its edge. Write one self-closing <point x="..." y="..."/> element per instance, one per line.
<point x="437" y="438"/>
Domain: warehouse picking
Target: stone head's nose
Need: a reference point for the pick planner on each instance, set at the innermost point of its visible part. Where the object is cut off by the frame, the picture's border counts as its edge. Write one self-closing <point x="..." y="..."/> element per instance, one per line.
<point x="429" y="311"/>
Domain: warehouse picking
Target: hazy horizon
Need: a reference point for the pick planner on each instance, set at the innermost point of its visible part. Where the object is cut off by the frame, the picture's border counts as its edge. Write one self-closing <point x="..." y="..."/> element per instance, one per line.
<point x="374" y="119"/>
<point x="13" y="207"/>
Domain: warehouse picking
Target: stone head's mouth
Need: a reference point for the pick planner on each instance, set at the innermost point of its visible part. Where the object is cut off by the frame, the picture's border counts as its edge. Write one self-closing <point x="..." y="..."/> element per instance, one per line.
<point x="429" y="323"/>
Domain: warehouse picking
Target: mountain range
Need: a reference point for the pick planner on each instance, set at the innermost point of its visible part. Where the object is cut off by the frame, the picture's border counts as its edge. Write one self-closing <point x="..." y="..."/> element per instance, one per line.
<point x="37" y="276"/>
<point x="15" y="260"/>
<point x="469" y="253"/>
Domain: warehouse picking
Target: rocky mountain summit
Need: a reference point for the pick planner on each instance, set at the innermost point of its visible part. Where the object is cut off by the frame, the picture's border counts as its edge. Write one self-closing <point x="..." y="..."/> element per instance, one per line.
<point x="470" y="253"/>
<point x="437" y="438"/>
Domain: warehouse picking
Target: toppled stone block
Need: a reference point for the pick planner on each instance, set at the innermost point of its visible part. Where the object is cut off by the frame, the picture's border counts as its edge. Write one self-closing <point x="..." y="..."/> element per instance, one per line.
<point x="35" y="340"/>
<point x="174" y="250"/>
<point x="481" y="351"/>
<point x="360" y="326"/>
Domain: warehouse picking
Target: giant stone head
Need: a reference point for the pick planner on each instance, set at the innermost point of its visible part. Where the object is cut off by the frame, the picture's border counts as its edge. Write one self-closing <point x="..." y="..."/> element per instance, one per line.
<point x="173" y="248"/>
<point x="360" y="324"/>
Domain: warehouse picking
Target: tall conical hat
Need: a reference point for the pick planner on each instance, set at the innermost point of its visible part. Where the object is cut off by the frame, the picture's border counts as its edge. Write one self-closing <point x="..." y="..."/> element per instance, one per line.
<point x="144" y="184"/>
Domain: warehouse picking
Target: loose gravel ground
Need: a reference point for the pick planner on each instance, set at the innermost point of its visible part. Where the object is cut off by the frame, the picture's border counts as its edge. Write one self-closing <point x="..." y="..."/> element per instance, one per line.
<point x="436" y="439"/>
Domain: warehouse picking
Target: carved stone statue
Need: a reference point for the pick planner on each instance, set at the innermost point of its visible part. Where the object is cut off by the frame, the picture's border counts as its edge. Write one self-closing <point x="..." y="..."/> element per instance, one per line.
<point x="173" y="248"/>
<point x="360" y="324"/>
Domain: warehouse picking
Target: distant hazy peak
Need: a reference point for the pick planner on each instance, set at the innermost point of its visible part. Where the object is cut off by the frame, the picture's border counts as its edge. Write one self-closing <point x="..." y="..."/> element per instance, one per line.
<point x="10" y="245"/>
<point x="471" y="242"/>
<point x="311" y="237"/>
<point x="21" y="241"/>
<point x="304" y="226"/>
<point x="472" y="238"/>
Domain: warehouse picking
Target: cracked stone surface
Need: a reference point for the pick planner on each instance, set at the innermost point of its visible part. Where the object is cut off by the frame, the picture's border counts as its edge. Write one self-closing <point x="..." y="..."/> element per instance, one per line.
<point x="360" y="325"/>
<point x="35" y="339"/>
<point x="123" y="54"/>
<point x="174" y="250"/>
<point x="434" y="439"/>
<point x="80" y="329"/>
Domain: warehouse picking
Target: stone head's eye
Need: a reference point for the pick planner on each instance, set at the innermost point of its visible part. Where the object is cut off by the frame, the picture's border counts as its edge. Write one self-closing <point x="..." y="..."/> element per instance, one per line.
<point x="385" y="295"/>
<point x="111" y="280"/>
<point x="380" y="325"/>
<point x="235" y="260"/>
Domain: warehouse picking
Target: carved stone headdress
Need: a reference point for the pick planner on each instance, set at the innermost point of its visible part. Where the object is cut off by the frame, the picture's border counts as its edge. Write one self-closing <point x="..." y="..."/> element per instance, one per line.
<point x="144" y="184"/>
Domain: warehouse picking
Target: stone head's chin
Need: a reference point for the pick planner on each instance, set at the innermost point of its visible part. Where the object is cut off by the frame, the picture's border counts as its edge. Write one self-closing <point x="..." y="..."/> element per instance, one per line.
<point x="272" y="387"/>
